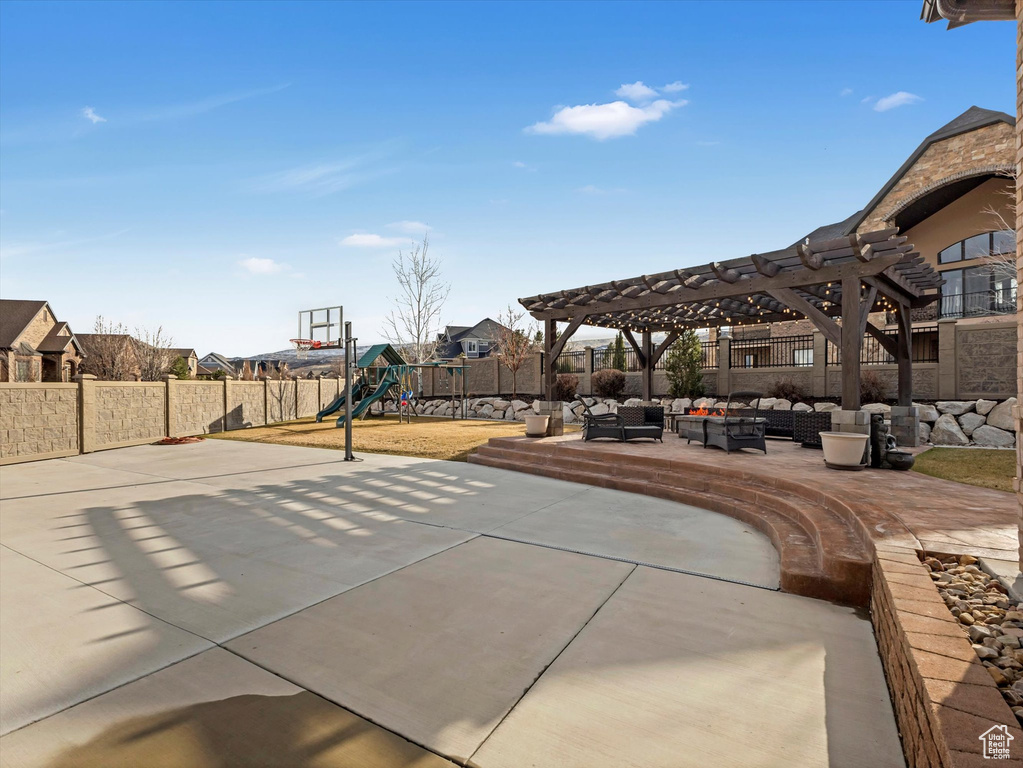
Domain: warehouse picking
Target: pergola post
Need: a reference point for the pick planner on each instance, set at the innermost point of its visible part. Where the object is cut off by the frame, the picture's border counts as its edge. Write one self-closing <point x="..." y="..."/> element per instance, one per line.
<point x="550" y="330"/>
<point x="904" y="356"/>
<point x="852" y="341"/>
<point x="648" y="367"/>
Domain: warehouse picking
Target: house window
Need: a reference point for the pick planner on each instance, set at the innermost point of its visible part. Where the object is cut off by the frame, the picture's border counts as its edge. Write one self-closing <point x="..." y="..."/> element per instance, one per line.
<point x="979" y="247"/>
<point x="802" y="357"/>
<point x="24" y="370"/>
<point x="471" y="349"/>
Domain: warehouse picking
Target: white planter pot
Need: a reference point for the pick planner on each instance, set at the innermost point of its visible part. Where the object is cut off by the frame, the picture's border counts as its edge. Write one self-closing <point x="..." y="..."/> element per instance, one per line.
<point x="536" y="425"/>
<point x="844" y="449"/>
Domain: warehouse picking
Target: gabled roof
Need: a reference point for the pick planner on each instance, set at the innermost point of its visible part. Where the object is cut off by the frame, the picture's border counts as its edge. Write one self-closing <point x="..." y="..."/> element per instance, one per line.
<point x="15" y="315"/>
<point x="220" y="360"/>
<point x="970" y="120"/>
<point x="57" y="341"/>
<point x="184" y="352"/>
<point x="389" y="353"/>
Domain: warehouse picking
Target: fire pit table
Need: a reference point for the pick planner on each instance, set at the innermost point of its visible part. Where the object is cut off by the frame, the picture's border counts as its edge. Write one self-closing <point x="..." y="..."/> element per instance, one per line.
<point x="726" y="428"/>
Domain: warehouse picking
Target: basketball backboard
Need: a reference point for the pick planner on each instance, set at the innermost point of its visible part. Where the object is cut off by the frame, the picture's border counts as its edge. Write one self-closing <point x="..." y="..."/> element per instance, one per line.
<point x="321" y="325"/>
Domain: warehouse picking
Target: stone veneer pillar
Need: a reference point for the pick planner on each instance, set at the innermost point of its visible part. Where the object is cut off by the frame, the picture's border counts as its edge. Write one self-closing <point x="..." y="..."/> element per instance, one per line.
<point x="724" y="385"/>
<point x="852" y="421"/>
<point x="947" y="383"/>
<point x="86" y="412"/>
<point x="1018" y="409"/>
<point x="906" y="425"/>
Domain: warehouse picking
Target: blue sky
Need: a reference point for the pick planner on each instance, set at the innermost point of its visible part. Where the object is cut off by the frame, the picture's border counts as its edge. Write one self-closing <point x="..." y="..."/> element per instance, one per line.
<point x="214" y="168"/>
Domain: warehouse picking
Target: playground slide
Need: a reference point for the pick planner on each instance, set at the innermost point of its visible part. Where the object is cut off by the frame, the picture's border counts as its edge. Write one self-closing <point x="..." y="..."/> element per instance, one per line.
<point x="362" y="405"/>
<point x="338" y="403"/>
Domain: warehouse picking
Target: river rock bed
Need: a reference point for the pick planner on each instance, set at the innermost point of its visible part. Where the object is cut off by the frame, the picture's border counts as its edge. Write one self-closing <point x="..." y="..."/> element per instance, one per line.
<point x="993" y="620"/>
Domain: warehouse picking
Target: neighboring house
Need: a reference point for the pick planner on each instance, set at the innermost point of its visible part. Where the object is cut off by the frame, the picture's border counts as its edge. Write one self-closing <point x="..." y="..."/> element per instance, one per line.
<point x="34" y="345"/>
<point x="189" y="357"/>
<point x="111" y="356"/>
<point x="953" y="198"/>
<point x="213" y="362"/>
<point x="472" y="341"/>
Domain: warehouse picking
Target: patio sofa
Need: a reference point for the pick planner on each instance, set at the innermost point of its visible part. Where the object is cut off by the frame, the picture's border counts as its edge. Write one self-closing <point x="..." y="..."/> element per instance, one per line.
<point x="632" y="422"/>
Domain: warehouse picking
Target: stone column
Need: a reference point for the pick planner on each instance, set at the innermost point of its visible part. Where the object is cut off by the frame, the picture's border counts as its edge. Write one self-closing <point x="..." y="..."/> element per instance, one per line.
<point x="852" y="421"/>
<point x="86" y="412"/>
<point x="947" y="359"/>
<point x="906" y="425"/>
<point x="556" y="423"/>
<point x="724" y="366"/>
<point x="819" y="387"/>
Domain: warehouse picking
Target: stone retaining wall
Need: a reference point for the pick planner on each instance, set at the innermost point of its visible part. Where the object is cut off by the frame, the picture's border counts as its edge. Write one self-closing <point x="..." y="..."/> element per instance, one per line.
<point x="196" y="407"/>
<point x="246" y="404"/>
<point x="38" y="421"/>
<point x="943" y="698"/>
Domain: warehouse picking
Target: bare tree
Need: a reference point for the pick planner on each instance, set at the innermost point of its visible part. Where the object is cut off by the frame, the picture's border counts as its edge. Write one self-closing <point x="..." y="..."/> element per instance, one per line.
<point x="1003" y="264"/>
<point x="336" y="368"/>
<point x="413" y="323"/>
<point x="110" y="353"/>
<point x="279" y="391"/>
<point x="514" y="343"/>
<point x="247" y="371"/>
<point x="154" y="355"/>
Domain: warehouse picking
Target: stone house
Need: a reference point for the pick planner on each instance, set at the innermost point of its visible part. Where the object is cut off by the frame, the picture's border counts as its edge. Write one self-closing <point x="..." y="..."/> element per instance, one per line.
<point x="954" y="199"/>
<point x="209" y="364"/>
<point x="472" y="341"/>
<point x="34" y="345"/>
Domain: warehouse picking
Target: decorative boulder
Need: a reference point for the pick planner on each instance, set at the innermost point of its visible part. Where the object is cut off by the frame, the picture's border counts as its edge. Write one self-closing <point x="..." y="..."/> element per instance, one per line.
<point x="827" y="407"/>
<point x="704" y="402"/>
<point x="992" y="437"/>
<point x="985" y="406"/>
<point x="633" y="401"/>
<point x="487" y="411"/>
<point x="782" y="405"/>
<point x="968" y="422"/>
<point x="1000" y="417"/>
<point x="925" y="432"/>
<point x="517" y="415"/>
<point x="882" y="408"/>
<point x="955" y="407"/>
<point x="497" y="414"/>
<point x="927" y="413"/>
<point x="679" y="404"/>
<point x="802" y="407"/>
<point x="519" y="405"/>
<point x="536" y="406"/>
<point x="500" y="405"/>
<point x="599" y="409"/>
<point x="568" y="413"/>
<point x="946" y="431"/>
<point x="765" y="403"/>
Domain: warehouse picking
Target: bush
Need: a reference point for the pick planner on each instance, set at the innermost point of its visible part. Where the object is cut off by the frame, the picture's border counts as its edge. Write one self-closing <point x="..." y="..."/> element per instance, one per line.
<point x="565" y="387"/>
<point x="683" y="366"/>
<point x="788" y="390"/>
<point x="608" y="383"/>
<point x="873" y="388"/>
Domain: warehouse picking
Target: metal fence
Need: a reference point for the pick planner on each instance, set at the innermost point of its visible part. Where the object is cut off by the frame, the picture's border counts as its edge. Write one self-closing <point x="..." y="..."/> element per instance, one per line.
<point x="709" y="356"/>
<point x="605" y="358"/>
<point x="925" y="348"/>
<point x="978" y="304"/>
<point x="571" y="362"/>
<point x="779" y="352"/>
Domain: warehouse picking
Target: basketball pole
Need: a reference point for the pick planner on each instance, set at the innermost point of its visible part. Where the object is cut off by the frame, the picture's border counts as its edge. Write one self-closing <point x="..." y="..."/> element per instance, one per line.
<point x="349" y="343"/>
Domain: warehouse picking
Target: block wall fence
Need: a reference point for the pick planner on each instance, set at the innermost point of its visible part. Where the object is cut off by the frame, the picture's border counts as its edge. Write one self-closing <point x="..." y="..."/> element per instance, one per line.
<point x="974" y="360"/>
<point x="51" y="420"/>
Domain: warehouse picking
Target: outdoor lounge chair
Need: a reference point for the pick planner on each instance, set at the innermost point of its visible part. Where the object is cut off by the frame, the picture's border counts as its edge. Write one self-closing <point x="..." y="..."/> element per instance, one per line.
<point x="734" y="432"/>
<point x="630" y="423"/>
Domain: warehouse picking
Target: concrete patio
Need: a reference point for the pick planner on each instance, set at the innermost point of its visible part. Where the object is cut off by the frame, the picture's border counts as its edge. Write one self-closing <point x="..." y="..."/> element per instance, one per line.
<point x="237" y="603"/>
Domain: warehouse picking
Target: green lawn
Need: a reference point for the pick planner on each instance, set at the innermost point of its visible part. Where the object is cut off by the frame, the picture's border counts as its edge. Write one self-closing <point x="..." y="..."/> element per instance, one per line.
<point x="973" y="466"/>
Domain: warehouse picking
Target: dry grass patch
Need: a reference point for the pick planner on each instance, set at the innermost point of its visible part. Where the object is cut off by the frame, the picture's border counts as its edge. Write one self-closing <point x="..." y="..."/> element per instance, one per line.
<point x="973" y="466"/>
<point x="425" y="437"/>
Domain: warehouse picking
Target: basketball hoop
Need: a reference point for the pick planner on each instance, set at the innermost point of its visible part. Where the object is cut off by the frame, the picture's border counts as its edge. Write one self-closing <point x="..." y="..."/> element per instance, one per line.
<point x="302" y="346"/>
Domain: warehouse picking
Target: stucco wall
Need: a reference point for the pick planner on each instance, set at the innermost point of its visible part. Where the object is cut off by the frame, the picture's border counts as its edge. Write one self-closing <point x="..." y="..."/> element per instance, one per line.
<point x="128" y="412"/>
<point x="38" y="421"/>
<point x="764" y="379"/>
<point x="925" y="380"/>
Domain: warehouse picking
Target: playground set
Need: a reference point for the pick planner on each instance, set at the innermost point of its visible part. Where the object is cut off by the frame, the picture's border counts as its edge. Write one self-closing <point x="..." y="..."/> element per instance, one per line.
<point x="369" y="381"/>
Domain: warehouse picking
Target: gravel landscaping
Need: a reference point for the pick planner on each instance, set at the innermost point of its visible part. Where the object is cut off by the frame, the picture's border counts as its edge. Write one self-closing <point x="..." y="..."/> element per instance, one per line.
<point x="989" y="616"/>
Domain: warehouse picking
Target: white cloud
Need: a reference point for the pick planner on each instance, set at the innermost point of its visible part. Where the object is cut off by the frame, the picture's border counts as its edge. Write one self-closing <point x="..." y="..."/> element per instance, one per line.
<point x="898" y="99"/>
<point x="845" y="92"/>
<point x="677" y="87"/>
<point x="372" y="241"/>
<point x="637" y="92"/>
<point x="90" y="114"/>
<point x="604" y="121"/>
<point x="410" y="227"/>
<point x="519" y="164"/>
<point x="866" y="99"/>
<point x="258" y="266"/>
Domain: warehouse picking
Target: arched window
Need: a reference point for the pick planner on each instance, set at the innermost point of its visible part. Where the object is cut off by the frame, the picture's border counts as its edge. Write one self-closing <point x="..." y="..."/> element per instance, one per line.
<point x="980" y="246"/>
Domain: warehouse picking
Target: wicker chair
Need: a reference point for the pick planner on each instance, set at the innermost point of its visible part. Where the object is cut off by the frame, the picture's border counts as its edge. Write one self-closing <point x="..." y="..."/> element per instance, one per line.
<point x="642" y="421"/>
<point x="808" y="425"/>
<point x="604" y="425"/>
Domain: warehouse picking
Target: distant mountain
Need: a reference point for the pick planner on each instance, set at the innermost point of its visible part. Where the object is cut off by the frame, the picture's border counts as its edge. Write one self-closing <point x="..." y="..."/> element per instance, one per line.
<point x="309" y="359"/>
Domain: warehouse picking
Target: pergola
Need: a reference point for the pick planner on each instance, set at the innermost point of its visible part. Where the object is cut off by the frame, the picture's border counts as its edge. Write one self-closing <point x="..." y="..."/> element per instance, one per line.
<point x="835" y="284"/>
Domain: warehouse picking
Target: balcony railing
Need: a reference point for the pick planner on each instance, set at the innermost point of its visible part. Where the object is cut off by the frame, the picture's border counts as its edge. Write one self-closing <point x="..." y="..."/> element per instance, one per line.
<point x="978" y="304"/>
